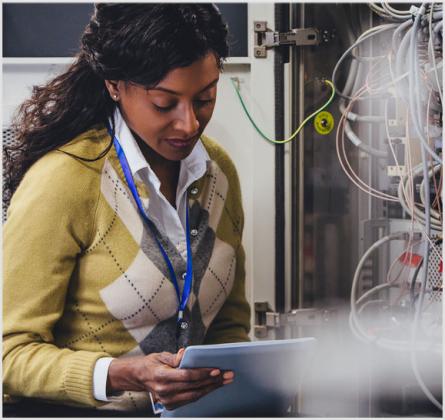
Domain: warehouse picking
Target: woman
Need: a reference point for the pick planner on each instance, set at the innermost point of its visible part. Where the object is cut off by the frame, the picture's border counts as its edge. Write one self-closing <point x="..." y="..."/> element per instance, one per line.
<point x="122" y="243"/>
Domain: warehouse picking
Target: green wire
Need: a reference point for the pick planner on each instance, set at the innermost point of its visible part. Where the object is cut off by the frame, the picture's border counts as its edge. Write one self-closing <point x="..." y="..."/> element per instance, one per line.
<point x="328" y="82"/>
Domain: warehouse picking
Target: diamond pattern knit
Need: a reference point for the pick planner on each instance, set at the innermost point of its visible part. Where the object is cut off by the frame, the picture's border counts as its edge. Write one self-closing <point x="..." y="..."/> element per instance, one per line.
<point x="84" y="277"/>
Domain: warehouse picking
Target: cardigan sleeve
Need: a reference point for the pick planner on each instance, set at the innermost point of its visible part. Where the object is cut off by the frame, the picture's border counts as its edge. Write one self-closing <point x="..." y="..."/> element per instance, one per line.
<point x="232" y="323"/>
<point x="49" y="223"/>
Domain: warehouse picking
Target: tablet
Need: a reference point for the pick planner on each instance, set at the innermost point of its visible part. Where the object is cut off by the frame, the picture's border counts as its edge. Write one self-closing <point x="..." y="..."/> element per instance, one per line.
<point x="267" y="376"/>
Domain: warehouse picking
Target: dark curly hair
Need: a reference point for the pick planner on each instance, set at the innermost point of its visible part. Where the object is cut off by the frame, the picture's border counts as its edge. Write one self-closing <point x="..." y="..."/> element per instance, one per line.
<point x="137" y="43"/>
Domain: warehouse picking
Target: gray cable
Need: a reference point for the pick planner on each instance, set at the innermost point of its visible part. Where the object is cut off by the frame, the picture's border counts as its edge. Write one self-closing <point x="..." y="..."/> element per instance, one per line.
<point x="352" y="77"/>
<point x="402" y="86"/>
<point x="432" y="172"/>
<point x="433" y="57"/>
<point x="396" y="14"/>
<point x="397" y="33"/>
<point x="426" y="251"/>
<point x="351" y="116"/>
<point x="414" y="87"/>
<point x="418" y="215"/>
<point x="351" y="80"/>
<point x="368" y="34"/>
<point x="363" y="146"/>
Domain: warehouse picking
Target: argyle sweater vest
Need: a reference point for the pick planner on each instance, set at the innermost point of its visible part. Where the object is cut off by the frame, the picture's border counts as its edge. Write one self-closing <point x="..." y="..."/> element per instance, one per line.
<point x="84" y="277"/>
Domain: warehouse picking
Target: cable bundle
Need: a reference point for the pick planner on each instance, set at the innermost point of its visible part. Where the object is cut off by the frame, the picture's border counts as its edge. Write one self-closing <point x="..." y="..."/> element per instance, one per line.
<point x="407" y="73"/>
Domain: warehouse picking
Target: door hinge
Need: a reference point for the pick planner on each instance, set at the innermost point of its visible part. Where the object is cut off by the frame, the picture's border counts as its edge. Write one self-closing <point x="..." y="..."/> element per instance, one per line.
<point x="266" y="39"/>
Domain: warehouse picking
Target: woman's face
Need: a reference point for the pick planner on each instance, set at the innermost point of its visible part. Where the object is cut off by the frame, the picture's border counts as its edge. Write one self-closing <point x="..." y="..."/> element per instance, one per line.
<point x="171" y="116"/>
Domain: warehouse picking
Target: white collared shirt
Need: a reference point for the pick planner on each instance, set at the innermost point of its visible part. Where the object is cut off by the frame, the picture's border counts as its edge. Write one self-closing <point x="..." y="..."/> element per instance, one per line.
<point x="168" y="220"/>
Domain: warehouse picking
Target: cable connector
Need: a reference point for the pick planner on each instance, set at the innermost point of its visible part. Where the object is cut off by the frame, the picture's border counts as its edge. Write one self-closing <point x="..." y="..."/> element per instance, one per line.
<point x="414" y="10"/>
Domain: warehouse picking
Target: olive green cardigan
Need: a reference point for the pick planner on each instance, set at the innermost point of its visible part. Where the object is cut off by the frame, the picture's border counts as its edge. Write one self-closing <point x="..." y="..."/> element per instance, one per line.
<point x="84" y="278"/>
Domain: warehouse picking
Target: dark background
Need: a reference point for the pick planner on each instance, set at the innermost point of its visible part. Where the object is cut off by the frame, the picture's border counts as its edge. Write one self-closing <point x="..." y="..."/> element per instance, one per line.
<point x="54" y="29"/>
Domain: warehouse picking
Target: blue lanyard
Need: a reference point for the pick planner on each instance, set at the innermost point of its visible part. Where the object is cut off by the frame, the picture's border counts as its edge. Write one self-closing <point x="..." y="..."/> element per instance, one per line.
<point x="189" y="275"/>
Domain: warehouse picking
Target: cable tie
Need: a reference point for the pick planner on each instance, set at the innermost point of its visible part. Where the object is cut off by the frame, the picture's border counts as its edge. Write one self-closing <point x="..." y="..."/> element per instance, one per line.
<point x="414" y="10"/>
<point x="418" y="10"/>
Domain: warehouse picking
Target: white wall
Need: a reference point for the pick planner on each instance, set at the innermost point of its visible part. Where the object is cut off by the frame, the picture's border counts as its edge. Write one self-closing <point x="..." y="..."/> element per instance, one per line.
<point x="253" y="156"/>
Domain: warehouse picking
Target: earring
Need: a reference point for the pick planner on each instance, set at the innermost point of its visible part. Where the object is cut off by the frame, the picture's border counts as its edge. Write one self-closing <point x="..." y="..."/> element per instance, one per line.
<point x="115" y="97"/>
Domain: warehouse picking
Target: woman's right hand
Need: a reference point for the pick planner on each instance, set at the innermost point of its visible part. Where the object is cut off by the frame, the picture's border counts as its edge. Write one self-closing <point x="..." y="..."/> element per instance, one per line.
<point x="158" y="373"/>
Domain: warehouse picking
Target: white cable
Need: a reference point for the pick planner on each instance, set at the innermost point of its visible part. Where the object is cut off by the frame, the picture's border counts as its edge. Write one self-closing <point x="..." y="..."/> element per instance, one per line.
<point x="351" y="116"/>
<point x="412" y="210"/>
<point x="352" y="77"/>
<point x="418" y="214"/>
<point x="414" y="87"/>
<point x="432" y="172"/>
<point x="433" y="56"/>
<point x="378" y="10"/>
<point x="401" y="54"/>
<point x="346" y="166"/>
<point x="426" y="191"/>
<point x="370" y="292"/>
<point x="356" y="278"/>
<point x="362" y="146"/>
<point x="413" y="355"/>
<point x="366" y="304"/>
<point x="408" y="48"/>
<point x="396" y="14"/>
<point x="387" y="6"/>
<point x="397" y="32"/>
<point x="435" y="214"/>
<point x="348" y="88"/>
<point x="368" y="34"/>
<point x="354" y="322"/>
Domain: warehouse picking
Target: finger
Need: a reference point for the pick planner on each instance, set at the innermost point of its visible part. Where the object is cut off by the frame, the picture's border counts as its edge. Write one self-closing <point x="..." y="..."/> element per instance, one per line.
<point x="228" y="374"/>
<point x="186" y="375"/>
<point x="168" y="359"/>
<point x="187" y="397"/>
<point x="173" y="388"/>
<point x="179" y="356"/>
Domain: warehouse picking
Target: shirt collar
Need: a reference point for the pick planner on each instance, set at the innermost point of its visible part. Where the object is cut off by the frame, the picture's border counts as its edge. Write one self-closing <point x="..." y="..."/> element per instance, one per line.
<point x="193" y="166"/>
<point x="133" y="153"/>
